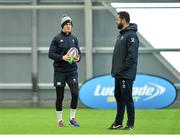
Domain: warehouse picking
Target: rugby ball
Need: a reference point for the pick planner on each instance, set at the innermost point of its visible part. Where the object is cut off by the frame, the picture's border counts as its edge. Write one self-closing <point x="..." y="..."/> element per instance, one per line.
<point x="73" y="52"/>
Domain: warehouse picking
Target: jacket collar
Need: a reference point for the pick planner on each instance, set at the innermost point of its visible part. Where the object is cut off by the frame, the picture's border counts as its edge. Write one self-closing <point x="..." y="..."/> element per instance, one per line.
<point x="131" y="27"/>
<point x="65" y="34"/>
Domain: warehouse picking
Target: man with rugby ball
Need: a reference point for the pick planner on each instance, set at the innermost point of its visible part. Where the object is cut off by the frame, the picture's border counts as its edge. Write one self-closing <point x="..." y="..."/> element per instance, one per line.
<point x="65" y="52"/>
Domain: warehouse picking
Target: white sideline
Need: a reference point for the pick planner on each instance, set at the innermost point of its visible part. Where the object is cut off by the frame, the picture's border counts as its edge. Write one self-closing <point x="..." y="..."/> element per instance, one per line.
<point x="89" y="134"/>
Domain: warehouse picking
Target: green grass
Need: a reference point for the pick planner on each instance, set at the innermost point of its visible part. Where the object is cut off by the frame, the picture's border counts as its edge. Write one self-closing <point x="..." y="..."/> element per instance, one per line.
<point x="43" y="121"/>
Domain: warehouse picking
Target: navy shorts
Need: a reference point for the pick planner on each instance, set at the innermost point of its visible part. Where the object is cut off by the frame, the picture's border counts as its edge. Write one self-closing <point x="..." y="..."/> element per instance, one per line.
<point x="60" y="79"/>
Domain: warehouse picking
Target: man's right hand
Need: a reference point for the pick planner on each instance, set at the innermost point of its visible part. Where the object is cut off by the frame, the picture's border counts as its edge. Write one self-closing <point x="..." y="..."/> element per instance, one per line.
<point x="66" y="57"/>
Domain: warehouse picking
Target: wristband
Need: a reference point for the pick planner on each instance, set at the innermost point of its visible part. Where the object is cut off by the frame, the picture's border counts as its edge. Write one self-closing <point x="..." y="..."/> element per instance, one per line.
<point x="70" y="60"/>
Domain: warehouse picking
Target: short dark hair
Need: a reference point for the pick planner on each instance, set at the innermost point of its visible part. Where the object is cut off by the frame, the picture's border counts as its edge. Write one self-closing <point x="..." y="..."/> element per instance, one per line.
<point x="124" y="15"/>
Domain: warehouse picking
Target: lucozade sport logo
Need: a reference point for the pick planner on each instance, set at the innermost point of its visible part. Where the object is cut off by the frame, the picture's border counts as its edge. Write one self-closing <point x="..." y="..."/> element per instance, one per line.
<point x="151" y="90"/>
<point x="148" y="92"/>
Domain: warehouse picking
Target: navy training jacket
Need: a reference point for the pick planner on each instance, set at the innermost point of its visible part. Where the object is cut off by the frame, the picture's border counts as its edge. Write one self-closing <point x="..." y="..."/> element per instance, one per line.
<point x="60" y="45"/>
<point x="125" y="54"/>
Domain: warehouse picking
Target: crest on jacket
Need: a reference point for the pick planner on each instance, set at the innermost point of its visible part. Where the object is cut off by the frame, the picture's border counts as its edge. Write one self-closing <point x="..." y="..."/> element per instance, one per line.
<point x="122" y="38"/>
<point x="132" y="40"/>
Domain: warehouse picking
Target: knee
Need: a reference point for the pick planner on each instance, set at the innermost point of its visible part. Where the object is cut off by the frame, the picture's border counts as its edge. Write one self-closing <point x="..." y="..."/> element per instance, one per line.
<point x="116" y="95"/>
<point x="75" y="95"/>
<point x="75" y="91"/>
<point x="60" y="98"/>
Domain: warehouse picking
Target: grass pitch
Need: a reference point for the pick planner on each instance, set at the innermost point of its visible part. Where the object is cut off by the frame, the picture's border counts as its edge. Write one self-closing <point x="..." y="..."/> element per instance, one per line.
<point x="93" y="121"/>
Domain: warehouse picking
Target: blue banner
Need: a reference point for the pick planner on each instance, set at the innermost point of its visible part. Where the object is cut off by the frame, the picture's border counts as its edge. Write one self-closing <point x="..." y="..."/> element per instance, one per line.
<point x="149" y="92"/>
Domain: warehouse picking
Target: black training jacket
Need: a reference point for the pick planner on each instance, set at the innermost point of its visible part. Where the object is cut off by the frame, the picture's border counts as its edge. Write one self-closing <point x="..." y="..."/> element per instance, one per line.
<point x="125" y="55"/>
<point x="60" y="45"/>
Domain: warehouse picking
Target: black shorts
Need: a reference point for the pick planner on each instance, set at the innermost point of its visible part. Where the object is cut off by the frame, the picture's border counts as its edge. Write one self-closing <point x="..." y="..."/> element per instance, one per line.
<point x="60" y="79"/>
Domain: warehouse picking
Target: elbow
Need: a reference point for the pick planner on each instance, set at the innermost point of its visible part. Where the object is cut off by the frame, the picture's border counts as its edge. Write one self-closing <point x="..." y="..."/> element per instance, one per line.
<point x="49" y="55"/>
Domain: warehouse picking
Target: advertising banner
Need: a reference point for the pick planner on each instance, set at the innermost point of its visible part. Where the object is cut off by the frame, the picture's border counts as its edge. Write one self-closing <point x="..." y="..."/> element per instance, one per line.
<point x="149" y="92"/>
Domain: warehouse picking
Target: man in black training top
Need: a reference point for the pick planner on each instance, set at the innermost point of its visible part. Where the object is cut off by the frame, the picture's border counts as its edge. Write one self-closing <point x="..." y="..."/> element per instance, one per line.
<point x="124" y="67"/>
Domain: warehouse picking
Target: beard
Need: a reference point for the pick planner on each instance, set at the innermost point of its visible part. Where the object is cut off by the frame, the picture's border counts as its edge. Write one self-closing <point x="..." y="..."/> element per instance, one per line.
<point x="120" y="26"/>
